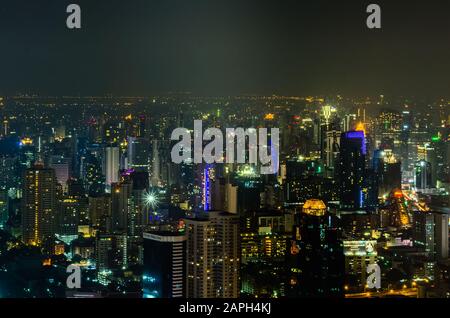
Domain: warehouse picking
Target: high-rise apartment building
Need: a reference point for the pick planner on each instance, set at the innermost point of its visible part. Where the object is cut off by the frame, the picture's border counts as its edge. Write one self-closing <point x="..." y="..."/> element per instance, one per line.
<point x="213" y="256"/>
<point x="39" y="213"/>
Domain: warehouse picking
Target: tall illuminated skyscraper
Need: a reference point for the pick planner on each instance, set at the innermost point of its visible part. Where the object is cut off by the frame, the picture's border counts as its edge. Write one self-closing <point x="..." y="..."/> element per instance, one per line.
<point x="352" y="169"/>
<point x="213" y="256"/>
<point x="111" y="166"/>
<point x="200" y="243"/>
<point x="331" y="150"/>
<point x="39" y="205"/>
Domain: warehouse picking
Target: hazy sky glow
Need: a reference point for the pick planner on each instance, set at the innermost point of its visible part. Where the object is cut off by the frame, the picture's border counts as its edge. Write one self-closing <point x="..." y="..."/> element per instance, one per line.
<point x="225" y="47"/>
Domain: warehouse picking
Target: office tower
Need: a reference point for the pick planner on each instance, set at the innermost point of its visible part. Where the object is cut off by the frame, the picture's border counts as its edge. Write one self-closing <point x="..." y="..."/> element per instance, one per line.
<point x="352" y="169"/>
<point x="358" y="255"/>
<point x="111" y="255"/>
<point x="423" y="176"/>
<point x="94" y="180"/>
<point x="427" y="152"/>
<point x="164" y="273"/>
<point x="39" y="205"/>
<point x="138" y="154"/>
<point x="80" y="153"/>
<point x="137" y="208"/>
<point x="388" y="172"/>
<point x="250" y="187"/>
<point x="213" y="256"/>
<point x="331" y="150"/>
<point x="315" y="258"/>
<point x="120" y="196"/>
<point x="405" y="135"/>
<point x="423" y="232"/>
<point x="61" y="166"/>
<point x="156" y="165"/>
<point x="430" y="233"/>
<point x="68" y="218"/>
<point x="111" y="166"/>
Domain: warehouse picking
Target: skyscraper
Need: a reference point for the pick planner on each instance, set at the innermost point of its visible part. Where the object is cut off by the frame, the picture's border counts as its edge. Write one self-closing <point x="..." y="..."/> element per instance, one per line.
<point x="138" y="154"/>
<point x="164" y="274"/>
<point x="111" y="166"/>
<point x="156" y="165"/>
<point x="61" y="166"/>
<point x="111" y="255"/>
<point x="423" y="175"/>
<point x="388" y="172"/>
<point x="331" y="150"/>
<point x="39" y="205"/>
<point x="120" y="196"/>
<point x="226" y="254"/>
<point x="200" y="256"/>
<point x="352" y="169"/>
<point x="213" y="256"/>
<point x="315" y="258"/>
<point x="430" y="233"/>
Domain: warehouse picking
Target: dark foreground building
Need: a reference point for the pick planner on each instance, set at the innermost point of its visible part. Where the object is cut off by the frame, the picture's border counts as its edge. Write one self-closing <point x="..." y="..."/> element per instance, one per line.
<point x="315" y="255"/>
<point x="164" y="273"/>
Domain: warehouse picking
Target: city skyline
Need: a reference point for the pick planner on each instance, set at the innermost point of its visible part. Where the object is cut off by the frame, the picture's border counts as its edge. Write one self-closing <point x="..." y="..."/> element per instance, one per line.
<point x="253" y="151"/>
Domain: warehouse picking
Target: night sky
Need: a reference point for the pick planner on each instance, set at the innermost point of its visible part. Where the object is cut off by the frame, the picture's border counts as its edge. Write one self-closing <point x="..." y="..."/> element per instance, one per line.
<point x="214" y="47"/>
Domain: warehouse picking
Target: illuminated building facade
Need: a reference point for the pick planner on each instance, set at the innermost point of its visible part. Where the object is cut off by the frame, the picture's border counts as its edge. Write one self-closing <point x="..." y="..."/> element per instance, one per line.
<point x="111" y="255"/>
<point x="69" y="217"/>
<point x="423" y="175"/>
<point x="111" y="166"/>
<point x="213" y="256"/>
<point x="39" y="213"/>
<point x="430" y="233"/>
<point x="352" y="169"/>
